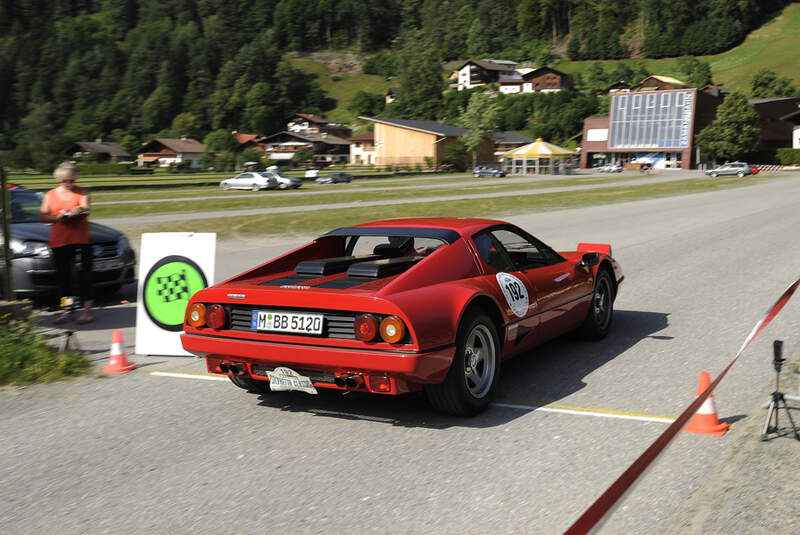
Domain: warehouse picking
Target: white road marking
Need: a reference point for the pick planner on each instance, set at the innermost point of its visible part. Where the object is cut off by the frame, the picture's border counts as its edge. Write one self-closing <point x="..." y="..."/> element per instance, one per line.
<point x="191" y="376"/>
<point x="518" y="406"/>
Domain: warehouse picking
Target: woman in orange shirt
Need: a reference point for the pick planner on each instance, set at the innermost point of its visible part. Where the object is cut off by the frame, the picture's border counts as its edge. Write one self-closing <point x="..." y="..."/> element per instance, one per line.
<point x="67" y="207"/>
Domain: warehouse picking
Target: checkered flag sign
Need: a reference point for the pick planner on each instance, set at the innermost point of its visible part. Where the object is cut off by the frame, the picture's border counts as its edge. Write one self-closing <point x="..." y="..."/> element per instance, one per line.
<point x="173" y="287"/>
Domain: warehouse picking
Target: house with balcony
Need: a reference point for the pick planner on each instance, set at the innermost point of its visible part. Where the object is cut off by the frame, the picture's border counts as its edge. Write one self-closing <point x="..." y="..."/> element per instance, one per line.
<point x="161" y="152"/>
<point x="327" y="147"/>
<point x="98" y="151"/>
<point x="362" y="149"/>
<point x="475" y="72"/>
<point x="308" y="123"/>
<point x="541" y="80"/>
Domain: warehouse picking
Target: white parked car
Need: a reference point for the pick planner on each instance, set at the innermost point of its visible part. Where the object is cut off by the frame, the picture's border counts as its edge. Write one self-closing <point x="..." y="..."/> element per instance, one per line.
<point x="250" y="180"/>
<point x="610" y="168"/>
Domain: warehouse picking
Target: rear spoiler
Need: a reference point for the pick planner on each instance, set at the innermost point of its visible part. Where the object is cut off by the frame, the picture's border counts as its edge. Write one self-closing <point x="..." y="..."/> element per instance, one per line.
<point x="604" y="248"/>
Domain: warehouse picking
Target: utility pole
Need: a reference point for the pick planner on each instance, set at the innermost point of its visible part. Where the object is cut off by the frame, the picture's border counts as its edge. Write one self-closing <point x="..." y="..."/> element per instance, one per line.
<point x="8" y="286"/>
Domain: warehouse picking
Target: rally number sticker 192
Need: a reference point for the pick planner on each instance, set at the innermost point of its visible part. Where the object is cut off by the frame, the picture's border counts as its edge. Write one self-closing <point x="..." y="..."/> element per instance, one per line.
<point x="515" y="292"/>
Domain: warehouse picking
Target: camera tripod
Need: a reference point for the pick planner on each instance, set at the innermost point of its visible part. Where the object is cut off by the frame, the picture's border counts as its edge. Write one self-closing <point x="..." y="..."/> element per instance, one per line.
<point x="778" y="401"/>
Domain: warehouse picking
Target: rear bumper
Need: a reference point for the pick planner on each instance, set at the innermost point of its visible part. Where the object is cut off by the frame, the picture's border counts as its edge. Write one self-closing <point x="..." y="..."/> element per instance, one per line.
<point x="405" y="368"/>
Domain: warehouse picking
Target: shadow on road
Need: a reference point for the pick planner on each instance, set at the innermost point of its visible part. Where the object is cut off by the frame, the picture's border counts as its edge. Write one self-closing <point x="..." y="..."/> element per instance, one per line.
<point x="548" y="374"/>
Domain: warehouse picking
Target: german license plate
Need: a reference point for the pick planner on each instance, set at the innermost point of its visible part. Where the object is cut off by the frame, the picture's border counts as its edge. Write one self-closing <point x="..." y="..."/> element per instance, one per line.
<point x="291" y="322"/>
<point x="107" y="264"/>
<point x="282" y="378"/>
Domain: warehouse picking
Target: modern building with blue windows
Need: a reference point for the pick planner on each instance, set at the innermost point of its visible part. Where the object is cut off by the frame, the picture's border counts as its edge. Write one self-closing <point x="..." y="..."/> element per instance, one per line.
<point x="653" y="127"/>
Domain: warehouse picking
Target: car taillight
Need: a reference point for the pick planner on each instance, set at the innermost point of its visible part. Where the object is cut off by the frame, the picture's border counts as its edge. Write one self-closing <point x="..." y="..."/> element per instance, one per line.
<point x="196" y="315"/>
<point x="393" y="329"/>
<point x="215" y="316"/>
<point x="366" y="327"/>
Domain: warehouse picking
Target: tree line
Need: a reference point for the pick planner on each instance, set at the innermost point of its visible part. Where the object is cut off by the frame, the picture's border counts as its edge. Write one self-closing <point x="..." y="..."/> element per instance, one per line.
<point x="126" y="70"/>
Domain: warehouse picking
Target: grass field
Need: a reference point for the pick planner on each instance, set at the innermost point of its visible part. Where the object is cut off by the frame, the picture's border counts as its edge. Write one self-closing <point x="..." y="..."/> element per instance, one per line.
<point x="305" y="222"/>
<point x="774" y="46"/>
<point x="341" y="87"/>
<point x="339" y="194"/>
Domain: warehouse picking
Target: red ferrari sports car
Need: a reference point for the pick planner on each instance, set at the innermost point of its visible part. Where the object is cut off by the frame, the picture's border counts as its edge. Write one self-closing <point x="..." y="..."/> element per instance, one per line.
<point x="400" y="305"/>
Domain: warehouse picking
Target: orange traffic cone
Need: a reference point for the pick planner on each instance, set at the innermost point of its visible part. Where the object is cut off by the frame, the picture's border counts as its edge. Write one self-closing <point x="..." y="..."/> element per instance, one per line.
<point x="117" y="360"/>
<point x="705" y="420"/>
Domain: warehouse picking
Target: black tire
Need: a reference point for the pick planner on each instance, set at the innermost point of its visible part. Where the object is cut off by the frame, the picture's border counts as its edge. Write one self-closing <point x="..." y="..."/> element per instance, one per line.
<point x="601" y="309"/>
<point x="473" y="376"/>
<point x="740" y="174"/>
<point x="251" y="385"/>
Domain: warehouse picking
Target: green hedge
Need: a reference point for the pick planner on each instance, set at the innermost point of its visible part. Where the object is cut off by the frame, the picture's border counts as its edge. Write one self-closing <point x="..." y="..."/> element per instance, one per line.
<point x="104" y="168"/>
<point x="788" y="156"/>
<point x="26" y="358"/>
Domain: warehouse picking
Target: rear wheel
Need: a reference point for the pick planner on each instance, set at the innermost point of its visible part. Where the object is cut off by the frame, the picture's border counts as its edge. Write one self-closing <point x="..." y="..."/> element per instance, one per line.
<point x="601" y="310"/>
<point x="251" y="385"/>
<point x="474" y="373"/>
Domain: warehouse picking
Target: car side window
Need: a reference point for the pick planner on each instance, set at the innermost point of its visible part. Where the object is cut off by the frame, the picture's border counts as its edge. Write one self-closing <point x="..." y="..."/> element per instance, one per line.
<point x="525" y="253"/>
<point x="492" y="251"/>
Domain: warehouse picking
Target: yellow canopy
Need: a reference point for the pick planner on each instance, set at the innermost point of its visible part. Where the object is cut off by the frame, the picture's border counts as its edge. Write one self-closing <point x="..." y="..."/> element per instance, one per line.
<point x="539" y="149"/>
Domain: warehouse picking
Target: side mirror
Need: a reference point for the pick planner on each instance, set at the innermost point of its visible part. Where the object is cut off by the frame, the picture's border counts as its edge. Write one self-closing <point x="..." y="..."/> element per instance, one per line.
<point x="588" y="260"/>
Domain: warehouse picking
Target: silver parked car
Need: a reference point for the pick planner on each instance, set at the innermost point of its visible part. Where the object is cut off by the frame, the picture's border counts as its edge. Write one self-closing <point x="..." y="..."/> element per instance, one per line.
<point x="335" y="178"/>
<point x="284" y="181"/>
<point x="488" y="169"/>
<point x="739" y="169"/>
<point x="250" y="180"/>
<point x="113" y="264"/>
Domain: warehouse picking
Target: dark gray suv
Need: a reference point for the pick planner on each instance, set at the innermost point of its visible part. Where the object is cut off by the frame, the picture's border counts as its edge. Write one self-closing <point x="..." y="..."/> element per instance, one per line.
<point x="34" y="274"/>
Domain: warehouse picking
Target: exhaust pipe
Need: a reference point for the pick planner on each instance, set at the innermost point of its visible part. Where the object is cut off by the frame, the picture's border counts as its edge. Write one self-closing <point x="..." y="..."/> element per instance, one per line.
<point x="339" y="381"/>
<point x="235" y="368"/>
<point x="354" y="381"/>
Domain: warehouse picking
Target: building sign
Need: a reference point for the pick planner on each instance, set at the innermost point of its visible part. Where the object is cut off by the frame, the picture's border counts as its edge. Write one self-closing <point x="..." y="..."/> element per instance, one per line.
<point x="651" y="120"/>
<point x="597" y="134"/>
<point x="686" y="120"/>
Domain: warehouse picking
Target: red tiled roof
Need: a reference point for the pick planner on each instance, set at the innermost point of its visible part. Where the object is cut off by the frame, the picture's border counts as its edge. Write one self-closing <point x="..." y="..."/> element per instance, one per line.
<point x="244" y="138"/>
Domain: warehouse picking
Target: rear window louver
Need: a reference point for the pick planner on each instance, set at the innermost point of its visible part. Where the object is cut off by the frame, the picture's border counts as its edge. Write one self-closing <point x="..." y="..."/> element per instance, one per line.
<point x="384" y="267"/>
<point x="329" y="266"/>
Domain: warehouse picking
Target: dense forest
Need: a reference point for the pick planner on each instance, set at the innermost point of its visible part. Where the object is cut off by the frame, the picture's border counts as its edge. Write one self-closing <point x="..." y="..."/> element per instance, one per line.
<point x="129" y="69"/>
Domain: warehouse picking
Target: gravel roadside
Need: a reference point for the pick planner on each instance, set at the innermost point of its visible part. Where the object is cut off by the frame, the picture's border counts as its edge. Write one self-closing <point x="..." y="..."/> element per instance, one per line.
<point x="754" y="487"/>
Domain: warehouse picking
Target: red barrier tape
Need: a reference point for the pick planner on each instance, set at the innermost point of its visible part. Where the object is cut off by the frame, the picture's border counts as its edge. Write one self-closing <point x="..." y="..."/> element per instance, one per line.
<point x="589" y="519"/>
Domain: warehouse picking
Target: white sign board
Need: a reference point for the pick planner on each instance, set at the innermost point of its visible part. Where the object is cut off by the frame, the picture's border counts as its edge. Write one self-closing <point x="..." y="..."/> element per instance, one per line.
<point x="172" y="267"/>
<point x="597" y="134"/>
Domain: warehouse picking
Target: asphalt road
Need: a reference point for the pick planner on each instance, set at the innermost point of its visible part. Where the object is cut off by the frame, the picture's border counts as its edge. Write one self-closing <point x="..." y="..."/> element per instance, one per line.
<point x="154" y="453"/>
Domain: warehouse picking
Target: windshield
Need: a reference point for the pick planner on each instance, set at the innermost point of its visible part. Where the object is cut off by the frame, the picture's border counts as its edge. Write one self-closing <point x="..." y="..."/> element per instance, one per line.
<point x="25" y="205"/>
